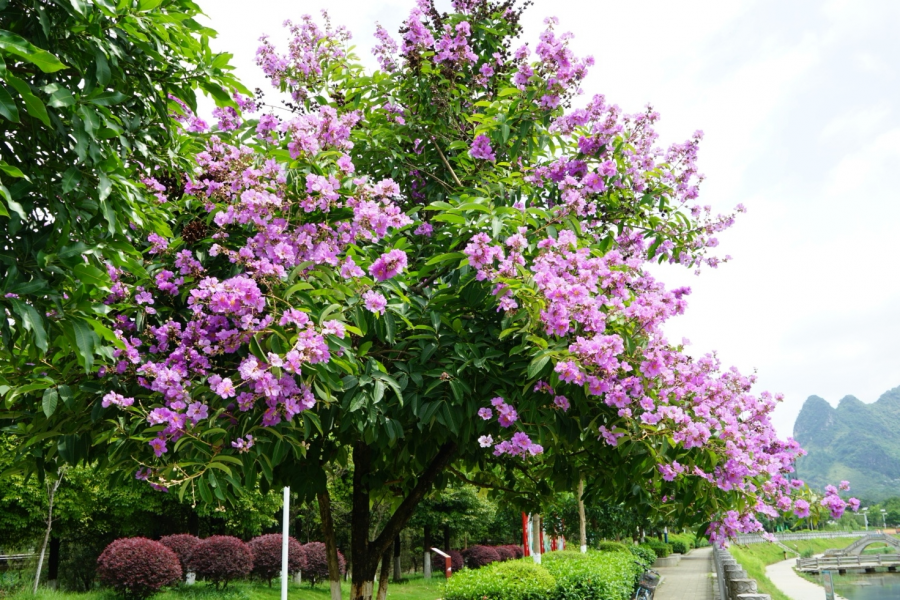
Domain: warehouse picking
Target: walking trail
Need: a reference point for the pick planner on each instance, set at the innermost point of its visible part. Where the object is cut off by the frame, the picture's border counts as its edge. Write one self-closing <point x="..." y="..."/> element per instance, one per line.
<point x="690" y="580"/>
<point x="792" y="585"/>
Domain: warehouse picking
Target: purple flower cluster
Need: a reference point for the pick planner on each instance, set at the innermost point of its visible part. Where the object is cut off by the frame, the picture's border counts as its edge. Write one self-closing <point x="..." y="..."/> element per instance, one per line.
<point x="481" y="148"/>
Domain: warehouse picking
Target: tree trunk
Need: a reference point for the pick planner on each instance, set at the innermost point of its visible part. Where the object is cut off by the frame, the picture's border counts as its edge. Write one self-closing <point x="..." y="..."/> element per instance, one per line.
<point x="365" y="554"/>
<point x="385" y="572"/>
<point x="397" y="574"/>
<point x="51" y="492"/>
<point x="426" y="545"/>
<point x="536" y="538"/>
<point x="582" y="526"/>
<point x="53" y="565"/>
<point x="334" y="567"/>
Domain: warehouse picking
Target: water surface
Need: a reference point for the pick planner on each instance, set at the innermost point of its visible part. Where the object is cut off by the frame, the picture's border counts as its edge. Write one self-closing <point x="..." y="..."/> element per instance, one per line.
<point x="876" y="586"/>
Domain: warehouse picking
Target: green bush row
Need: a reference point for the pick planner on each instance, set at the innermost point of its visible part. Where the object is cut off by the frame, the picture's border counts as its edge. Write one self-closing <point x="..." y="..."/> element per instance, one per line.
<point x="644" y="554"/>
<point x="562" y="576"/>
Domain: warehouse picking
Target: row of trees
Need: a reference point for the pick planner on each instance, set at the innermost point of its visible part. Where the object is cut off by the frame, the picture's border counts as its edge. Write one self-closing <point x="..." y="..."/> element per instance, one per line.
<point x="428" y="274"/>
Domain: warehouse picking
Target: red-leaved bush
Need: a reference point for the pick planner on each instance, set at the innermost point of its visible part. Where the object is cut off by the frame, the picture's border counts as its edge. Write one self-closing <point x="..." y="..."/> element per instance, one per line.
<point x="267" y="556"/>
<point x="220" y="559"/>
<point x="438" y="564"/>
<point x="316" y="569"/>
<point x="504" y="553"/>
<point x="138" y="567"/>
<point x="182" y="544"/>
<point x="479" y="556"/>
<point x="517" y="551"/>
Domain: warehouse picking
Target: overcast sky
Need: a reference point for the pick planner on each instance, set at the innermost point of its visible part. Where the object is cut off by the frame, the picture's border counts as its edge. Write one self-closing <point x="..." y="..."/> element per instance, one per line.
<point x="799" y="103"/>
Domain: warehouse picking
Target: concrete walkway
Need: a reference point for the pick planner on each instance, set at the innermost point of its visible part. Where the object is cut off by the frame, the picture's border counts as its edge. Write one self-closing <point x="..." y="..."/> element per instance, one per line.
<point x="792" y="585"/>
<point x="690" y="580"/>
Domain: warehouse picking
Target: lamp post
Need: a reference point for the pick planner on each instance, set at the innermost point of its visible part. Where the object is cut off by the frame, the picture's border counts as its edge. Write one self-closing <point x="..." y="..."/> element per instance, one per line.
<point x="865" y="513"/>
<point x="883" y="522"/>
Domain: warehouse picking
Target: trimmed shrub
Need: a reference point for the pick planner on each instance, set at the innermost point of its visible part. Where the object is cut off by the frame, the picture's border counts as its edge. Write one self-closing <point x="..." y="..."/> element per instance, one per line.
<point x="504" y="553"/>
<point x="679" y="546"/>
<point x="182" y="544"/>
<point x="138" y="567"/>
<point x="612" y="547"/>
<point x="220" y="559"/>
<point x="476" y="557"/>
<point x="592" y="576"/>
<point x="661" y="549"/>
<point x="456" y="561"/>
<point x="643" y="554"/>
<point x="510" y="580"/>
<point x="266" y="551"/>
<point x="316" y="569"/>
<point x="516" y="550"/>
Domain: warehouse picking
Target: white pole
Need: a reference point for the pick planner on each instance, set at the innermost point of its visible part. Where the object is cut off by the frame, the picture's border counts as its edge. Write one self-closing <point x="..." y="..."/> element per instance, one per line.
<point x="285" y="532"/>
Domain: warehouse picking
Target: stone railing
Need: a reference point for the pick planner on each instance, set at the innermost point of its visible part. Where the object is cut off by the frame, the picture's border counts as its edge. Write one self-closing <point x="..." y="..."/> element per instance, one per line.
<point x="790" y="537"/>
<point x="732" y="580"/>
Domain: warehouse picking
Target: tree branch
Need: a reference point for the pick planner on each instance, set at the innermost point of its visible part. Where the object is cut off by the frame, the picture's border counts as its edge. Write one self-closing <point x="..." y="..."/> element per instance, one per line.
<point x="403" y="513"/>
<point x="446" y="163"/>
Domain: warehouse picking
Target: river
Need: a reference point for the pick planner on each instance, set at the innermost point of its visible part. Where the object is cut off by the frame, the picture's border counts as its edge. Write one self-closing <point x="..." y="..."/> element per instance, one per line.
<point x="877" y="586"/>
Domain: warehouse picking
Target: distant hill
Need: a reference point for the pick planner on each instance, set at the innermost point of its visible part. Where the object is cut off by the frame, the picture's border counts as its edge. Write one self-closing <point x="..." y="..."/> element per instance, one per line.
<point x="855" y="441"/>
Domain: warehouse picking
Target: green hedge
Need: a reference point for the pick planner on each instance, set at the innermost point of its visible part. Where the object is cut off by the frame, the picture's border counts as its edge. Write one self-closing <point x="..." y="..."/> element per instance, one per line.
<point x="661" y="549"/>
<point x="511" y="580"/>
<point x="592" y="576"/>
<point x="562" y="576"/>
<point x="604" y="546"/>
<point x="682" y="542"/>
<point x="643" y="553"/>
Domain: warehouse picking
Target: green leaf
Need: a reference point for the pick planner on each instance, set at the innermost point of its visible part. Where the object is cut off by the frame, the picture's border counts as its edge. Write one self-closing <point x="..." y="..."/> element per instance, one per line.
<point x="24" y="49"/>
<point x="70" y="179"/>
<point x="33" y="104"/>
<point x="8" y="108"/>
<point x="536" y="366"/>
<point x="49" y="401"/>
<point x="32" y="321"/>
<point x="11" y="170"/>
<point x="102" y="68"/>
<point x="91" y="275"/>
<point x="105" y="187"/>
<point x="61" y="98"/>
<point x="107" y="98"/>
<point x="65" y="393"/>
<point x="85" y="341"/>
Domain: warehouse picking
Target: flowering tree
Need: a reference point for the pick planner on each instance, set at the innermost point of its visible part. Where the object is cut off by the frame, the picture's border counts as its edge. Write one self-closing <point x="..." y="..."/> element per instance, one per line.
<point x="439" y="267"/>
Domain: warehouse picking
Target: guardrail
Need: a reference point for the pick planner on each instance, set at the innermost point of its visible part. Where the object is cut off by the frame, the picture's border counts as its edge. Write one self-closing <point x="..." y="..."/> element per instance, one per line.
<point x="856" y="561"/>
<point x="790" y="537"/>
<point x="732" y="580"/>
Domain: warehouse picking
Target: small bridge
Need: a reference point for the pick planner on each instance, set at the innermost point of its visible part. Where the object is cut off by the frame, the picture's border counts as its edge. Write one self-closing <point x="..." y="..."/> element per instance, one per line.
<point x="852" y="557"/>
<point x="857" y="547"/>
<point x="855" y="561"/>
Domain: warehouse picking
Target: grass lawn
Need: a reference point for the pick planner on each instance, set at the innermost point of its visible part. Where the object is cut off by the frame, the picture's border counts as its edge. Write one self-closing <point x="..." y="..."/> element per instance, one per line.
<point x="415" y="587"/>
<point x="755" y="557"/>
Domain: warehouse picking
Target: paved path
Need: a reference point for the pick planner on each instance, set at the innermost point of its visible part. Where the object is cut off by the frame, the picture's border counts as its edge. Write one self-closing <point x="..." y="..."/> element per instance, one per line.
<point x="792" y="585"/>
<point x="690" y="580"/>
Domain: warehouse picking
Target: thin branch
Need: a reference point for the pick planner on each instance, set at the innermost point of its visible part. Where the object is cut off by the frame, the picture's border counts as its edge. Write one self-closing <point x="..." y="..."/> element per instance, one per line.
<point x="446" y="163"/>
<point x="488" y="486"/>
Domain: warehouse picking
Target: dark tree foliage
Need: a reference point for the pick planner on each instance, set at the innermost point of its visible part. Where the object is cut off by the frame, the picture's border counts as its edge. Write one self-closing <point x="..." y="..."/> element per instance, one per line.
<point x="438" y="564"/>
<point x="138" y="567"/>
<point x="317" y="563"/>
<point x="220" y="559"/>
<point x="479" y="556"/>
<point x="267" y="556"/>
<point x="84" y="114"/>
<point x="182" y="544"/>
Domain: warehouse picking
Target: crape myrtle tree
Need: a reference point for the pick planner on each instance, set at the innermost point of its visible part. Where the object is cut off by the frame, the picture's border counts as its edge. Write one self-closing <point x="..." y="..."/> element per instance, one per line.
<point x="434" y="270"/>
